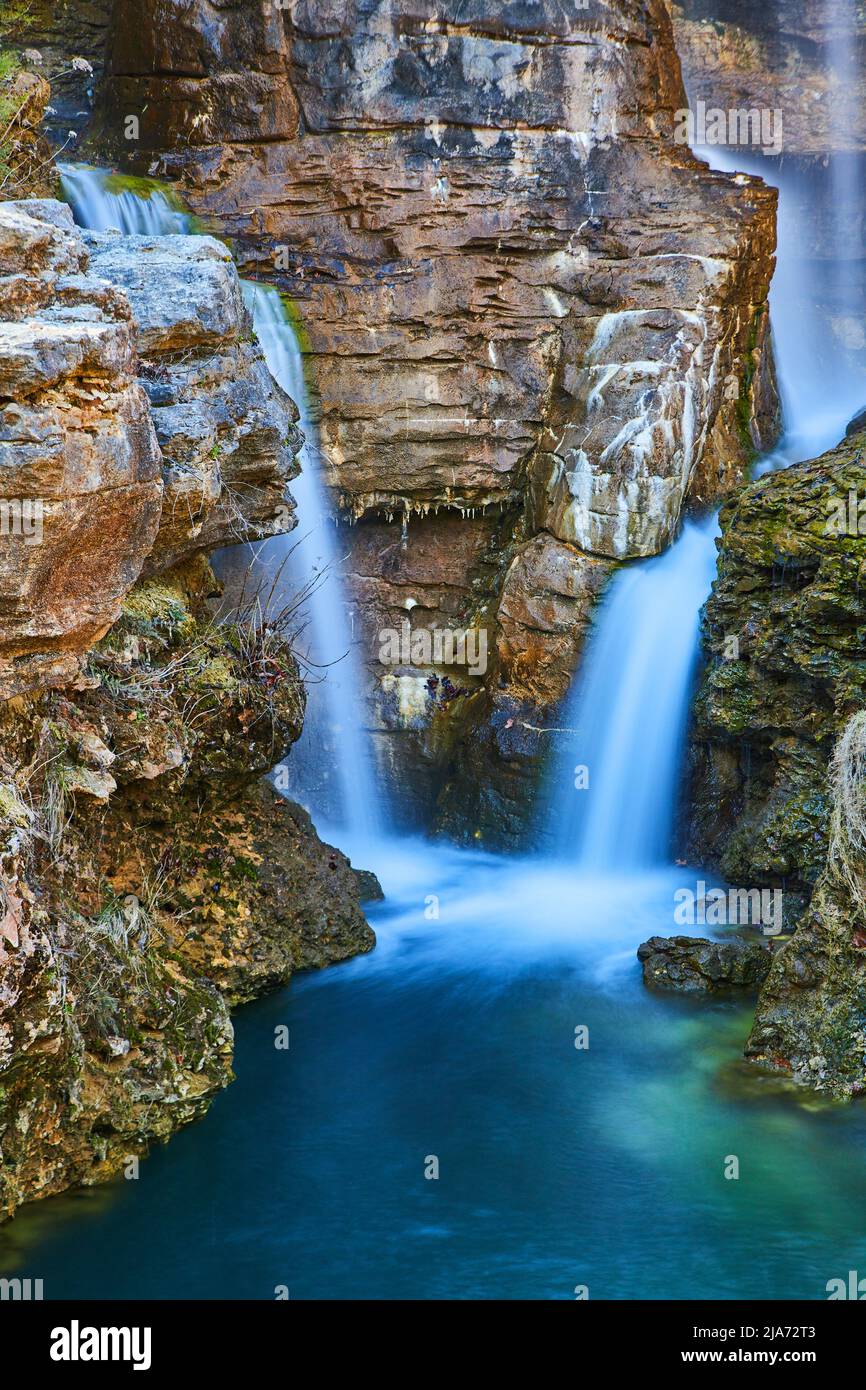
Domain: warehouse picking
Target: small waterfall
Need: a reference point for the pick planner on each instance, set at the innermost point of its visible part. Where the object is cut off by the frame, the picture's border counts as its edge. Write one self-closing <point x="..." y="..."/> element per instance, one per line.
<point x="330" y="768"/>
<point x="618" y="767"/>
<point x="95" y="204"/>
<point x="308" y="558"/>
<point x="817" y="302"/>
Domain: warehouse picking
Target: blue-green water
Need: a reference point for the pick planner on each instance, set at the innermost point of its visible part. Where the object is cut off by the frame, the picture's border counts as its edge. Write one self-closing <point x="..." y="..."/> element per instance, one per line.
<point x="558" y="1167"/>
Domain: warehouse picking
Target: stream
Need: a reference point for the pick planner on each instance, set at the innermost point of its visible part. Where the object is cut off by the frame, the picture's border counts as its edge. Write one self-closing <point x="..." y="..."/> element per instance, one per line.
<point x="436" y="1129"/>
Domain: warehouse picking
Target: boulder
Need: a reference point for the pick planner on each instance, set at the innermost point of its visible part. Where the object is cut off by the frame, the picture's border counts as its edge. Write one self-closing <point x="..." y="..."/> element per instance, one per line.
<point x="694" y="965"/>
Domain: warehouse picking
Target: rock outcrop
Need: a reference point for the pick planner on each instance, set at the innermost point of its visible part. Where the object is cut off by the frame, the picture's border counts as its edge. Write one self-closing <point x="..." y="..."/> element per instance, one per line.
<point x="784" y="679"/>
<point x="81" y="468"/>
<point x="694" y="965"/>
<point x="783" y="636"/>
<point x="523" y="301"/>
<point x="138" y="425"/>
<point x="148" y="880"/>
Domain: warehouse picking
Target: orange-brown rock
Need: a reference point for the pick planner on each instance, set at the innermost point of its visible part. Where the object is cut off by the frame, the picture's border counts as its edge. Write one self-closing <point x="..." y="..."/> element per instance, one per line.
<point x="80" y="483"/>
<point x="115" y="464"/>
<point x="519" y="294"/>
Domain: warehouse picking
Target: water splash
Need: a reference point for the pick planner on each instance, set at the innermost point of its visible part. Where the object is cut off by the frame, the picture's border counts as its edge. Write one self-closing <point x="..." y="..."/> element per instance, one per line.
<point x="617" y="771"/>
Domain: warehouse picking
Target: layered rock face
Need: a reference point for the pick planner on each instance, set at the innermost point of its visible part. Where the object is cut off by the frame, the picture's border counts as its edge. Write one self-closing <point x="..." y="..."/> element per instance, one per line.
<point x="521" y="297"/>
<point x="81" y="468"/>
<point x="138" y="425"/>
<point x="785" y="676"/>
<point x="147" y="880"/>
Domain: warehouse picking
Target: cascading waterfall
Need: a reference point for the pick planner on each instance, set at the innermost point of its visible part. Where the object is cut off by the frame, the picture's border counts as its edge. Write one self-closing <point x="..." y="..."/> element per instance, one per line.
<point x="95" y="204"/>
<point x="818" y="294"/>
<point x="308" y="559"/>
<point x="617" y="772"/>
<point x="331" y="766"/>
<point x="842" y="71"/>
<point x="813" y="301"/>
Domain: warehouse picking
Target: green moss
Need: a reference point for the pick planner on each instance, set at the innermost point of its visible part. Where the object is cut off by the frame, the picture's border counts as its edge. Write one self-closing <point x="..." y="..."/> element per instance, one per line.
<point x="157" y="604"/>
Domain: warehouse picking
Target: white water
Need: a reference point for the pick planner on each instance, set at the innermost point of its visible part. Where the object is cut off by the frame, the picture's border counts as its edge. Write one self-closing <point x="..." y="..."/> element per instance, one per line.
<point x="95" y="206"/>
<point x="813" y="302"/>
<point x="629" y="705"/>
<point x="333" y="738"/>
<point x="330" y="767"/>
<point x="616" y="782"/>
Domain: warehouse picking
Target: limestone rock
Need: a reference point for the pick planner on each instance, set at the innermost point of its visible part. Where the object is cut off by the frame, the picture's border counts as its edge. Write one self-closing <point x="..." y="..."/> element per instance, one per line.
<point x="545" y="607"/>
<point x="525" y="307"/>
<point x="80" y="486"/>
<point x="114" y="464"/>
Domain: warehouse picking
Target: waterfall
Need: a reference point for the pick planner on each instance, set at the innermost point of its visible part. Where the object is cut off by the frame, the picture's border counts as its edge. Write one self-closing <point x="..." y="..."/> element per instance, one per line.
<point x="309" y="558"/>
<point x="330" y="768"/>
<point x="618" y="767"/>
<point x="96" y="205"/>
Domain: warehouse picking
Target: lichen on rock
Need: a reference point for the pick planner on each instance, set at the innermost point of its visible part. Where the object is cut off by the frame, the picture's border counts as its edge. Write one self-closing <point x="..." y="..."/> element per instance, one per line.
<point x="780" y="702"/>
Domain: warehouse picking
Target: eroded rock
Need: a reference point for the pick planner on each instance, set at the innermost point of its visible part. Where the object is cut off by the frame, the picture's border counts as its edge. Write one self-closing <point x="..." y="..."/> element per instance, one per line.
<point x="139" y="424"/>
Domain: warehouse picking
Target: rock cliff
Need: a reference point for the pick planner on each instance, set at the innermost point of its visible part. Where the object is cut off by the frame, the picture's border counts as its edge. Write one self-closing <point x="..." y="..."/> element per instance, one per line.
<point x="784" y="679"/>
<point x="525" y="305"/>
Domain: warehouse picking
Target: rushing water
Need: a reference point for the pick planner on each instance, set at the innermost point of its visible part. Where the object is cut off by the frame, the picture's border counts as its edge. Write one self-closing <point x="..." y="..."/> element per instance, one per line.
<point x="617" y="773"/>
<point x="98" y="204"/>
<point x="558" y="1166"/>
<point x="334" y="747"/>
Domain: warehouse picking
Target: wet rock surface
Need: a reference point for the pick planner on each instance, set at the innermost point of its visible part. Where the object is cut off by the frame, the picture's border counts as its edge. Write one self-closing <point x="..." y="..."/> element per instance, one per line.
<point x="783" y="637"/>
<point x="695" y="965"/>
<point x="147" y="882"/>
<point x="784" y="676"/>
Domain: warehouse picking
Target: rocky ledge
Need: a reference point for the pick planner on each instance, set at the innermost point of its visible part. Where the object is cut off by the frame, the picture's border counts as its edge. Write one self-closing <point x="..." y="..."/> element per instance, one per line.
<point x="138" y="425"/>
<point x="149" y="879"/>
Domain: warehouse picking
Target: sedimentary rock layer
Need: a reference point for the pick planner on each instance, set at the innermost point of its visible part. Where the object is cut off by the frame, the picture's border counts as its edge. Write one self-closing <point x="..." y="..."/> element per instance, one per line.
<point x="520" y="296"/>
<point x="138" y="425"/>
